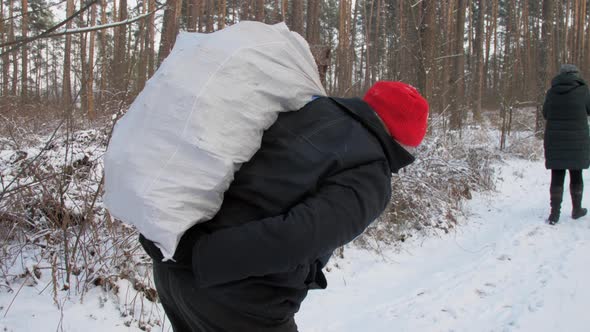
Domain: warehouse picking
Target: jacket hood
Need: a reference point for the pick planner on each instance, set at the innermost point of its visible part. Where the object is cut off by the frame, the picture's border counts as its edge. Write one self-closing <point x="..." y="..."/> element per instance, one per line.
<point x="564" y="83"/>
<point x="397" y="156"/>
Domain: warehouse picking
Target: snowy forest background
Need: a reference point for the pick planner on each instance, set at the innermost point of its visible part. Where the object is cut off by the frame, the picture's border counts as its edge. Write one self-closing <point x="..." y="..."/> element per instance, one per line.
<point x="69" y="69"/>
<point x="461" y="54"/>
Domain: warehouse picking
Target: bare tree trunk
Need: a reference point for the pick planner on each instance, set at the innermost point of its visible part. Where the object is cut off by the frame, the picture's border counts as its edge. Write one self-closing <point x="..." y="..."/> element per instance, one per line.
<point x="259" y="11"/>
<point x="321" y="53"/>
<point x="84" y="66"/>
<point x="199" y="14"/>
<point x="90" y="67"/>
<point x="567" y="37"/>
<point x="38" y="61"/>
<point x="143" y="52"/>
<point x="192" y="15"/>
<point x="344" y="68"/>
<point x="209" y="13"/>
<point x="25" y="53"/>
<point x="573" y="31"/>
<point x="369" y="47"/>
<point x="276" y="13"/>
<point x="2" y="50"/>
<point x="559" y="39"/>
<point x="5" y="57"/>
<point x="284" y="9"/>
<point x="470" y="32"/>
<point x="169" y="30"/>
<point x="580" y="32"/>
<point x="576" y="31"/>
<point x="458" y="84"/>
<point x="517" y="70"/>
<point x="447" y="83"/>
<point x="354" y="76"/>
<point x="511" y="89"/>
<point x="528" y="64"/>
<point x="47" y="72"/>
<point x="488" y="46"/>
<point x="509" y="62"/>
<point x="409" y="44"/>
<point x="586" y="63"/>
<point x="313" y="22"/>
<point x="479" y="61"/>
<point x="297" y="17"/>
<point x="67" y="85"/>
<point x="495" y="69"/>
<point x="120" y="51"/>
<point x="547" y="31"/>
<point x="104" y="72"/>
<point x="244" y="10"/>
<point x="222" y="13"/>
<point x="427" y="70"/>
<point x="151" y="33"/>
<point x="376" y="42"/>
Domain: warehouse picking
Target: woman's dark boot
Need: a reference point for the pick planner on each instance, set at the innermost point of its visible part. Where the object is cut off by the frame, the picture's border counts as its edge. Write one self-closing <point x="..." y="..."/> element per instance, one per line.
<point x="577" y="191"/>
<point x="556" y="195"/>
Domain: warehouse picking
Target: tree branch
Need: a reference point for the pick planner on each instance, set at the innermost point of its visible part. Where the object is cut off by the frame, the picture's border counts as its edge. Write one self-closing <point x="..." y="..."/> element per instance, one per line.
<point x="102" y="26"/>
<point x="46" y="33"/>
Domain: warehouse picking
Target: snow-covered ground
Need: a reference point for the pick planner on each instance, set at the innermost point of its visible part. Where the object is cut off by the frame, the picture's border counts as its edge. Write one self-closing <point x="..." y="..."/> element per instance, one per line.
<point x="502" y="269"/>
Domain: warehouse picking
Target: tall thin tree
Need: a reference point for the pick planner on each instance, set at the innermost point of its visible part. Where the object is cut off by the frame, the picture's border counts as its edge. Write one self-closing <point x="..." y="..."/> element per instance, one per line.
<point x="344" y="64"/>
<point x="427" y="32"/>
<point x="297" y="17"/>
<point x="90" y="67"/>
<point x="479" y="60"/>
<point x="458" y="78"/>
<point x="120" y="52"/>
<point x="169" y="29"/>
<point x="5" y="54"/>
<point x="67" y="85"/>
<point x="25" y="50"/>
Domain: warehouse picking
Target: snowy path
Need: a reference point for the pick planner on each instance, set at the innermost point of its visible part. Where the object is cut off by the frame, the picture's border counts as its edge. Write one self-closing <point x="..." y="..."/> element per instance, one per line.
<point x="506" y="270"/>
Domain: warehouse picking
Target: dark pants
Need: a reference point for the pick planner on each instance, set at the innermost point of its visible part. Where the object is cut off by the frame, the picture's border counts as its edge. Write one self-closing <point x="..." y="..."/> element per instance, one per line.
<point x="191" y="309"/>
<point x="558" y="178"/>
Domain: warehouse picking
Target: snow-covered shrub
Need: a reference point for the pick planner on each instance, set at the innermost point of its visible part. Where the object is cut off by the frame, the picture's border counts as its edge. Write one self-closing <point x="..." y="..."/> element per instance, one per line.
<point x="428" y="194"/>
<point x="52" y="221"/>
<point x="523" y="142"/>
<point x="450" y="166"/>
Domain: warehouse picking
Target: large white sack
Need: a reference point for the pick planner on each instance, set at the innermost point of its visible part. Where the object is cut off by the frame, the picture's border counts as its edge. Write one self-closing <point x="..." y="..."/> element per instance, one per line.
<point x="174" y="153"/>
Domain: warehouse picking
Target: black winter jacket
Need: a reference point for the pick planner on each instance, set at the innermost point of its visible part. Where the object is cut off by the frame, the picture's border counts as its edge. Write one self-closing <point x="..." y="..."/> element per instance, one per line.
<point x="566" y="107"/>
<point x="321" y="176"/>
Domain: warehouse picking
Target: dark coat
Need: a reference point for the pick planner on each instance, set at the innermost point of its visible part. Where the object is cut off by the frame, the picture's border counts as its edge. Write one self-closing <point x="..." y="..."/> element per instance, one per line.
<point x="321" y="176"/>
<point x="566" y="107"/>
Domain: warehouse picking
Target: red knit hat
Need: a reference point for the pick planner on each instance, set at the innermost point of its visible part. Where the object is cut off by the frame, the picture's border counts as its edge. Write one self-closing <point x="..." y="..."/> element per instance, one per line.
<point x="403" y="110"/>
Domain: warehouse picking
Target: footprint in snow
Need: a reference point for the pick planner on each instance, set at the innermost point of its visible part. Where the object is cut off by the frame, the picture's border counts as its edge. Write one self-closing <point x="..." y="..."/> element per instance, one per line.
<point x="536" y="306"/>
<point x="450" y="312"/>
<point x="534" y="232"/>
<point x="481" y="293"/>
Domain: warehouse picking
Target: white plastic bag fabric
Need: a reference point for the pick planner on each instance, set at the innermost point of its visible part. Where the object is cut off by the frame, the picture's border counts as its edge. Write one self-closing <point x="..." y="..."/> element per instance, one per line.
<point x="199" y="118"/>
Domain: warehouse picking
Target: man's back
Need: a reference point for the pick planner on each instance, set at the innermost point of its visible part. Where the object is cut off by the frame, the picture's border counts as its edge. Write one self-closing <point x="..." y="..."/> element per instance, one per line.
<point x="300" y="150"/>
<point x="320" y="177"/>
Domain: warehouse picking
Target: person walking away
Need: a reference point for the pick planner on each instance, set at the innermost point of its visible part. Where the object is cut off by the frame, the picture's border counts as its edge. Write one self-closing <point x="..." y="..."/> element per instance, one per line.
<point x="566" y="141"/>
